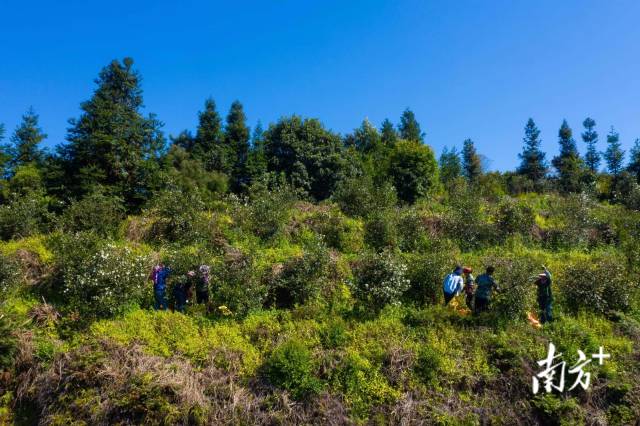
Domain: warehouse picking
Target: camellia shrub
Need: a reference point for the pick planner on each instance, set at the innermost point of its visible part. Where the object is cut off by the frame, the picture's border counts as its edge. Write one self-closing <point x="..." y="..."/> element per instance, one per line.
<point x="379" y="279"/>
<point x="106" y="281"/>
<point x="96" y="212"/>
<point x="514" y="218"/>
<point x="292" y="366"/>
<point x="601" y="285"/>
<point x="9" y="273"/>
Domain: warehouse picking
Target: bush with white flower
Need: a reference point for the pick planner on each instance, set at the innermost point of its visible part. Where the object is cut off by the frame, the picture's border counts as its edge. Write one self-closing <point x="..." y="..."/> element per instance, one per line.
<point x="107" y="281"/>
<point x="379" y="279"/>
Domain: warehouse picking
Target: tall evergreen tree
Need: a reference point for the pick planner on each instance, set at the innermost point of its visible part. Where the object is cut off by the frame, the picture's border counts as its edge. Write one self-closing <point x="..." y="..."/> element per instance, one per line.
<point x="184" y="140"/>
<point x="209" y="146"/>
<point x="4" y="154"/>
<point x="471" y="164"/>
<point x="533" y="164"/>
<point x="450" y="165"/>
<point x="112" y="144"/>
<point x="590" y="138"/>
<point x="366" y="137"/>
<point x="568" y="163"/>
<point x="237" y="143"/>
<point x="634" y="161"/>
<point x="388" y="133"/>
<point x="614" y="155"/>
<point x="25" y="141"/>
<point x="409" y="128"/>
<point x="257" y="161"/>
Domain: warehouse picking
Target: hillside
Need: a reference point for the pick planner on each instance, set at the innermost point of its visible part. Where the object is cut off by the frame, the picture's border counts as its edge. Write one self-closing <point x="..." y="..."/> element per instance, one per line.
<point x="322" y="313"/>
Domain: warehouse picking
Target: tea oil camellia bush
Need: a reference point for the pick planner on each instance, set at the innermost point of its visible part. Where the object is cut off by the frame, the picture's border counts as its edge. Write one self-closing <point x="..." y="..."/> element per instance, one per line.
<point x="107" y="281"/>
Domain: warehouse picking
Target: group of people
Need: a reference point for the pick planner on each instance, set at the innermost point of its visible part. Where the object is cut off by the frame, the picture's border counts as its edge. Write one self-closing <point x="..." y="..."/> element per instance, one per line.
<point x="183" y="286"/>
<point x="478" y="291"/>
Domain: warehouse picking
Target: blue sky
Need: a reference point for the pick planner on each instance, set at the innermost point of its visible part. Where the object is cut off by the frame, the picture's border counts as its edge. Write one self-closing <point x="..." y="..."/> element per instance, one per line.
<point x="473" y="69"/>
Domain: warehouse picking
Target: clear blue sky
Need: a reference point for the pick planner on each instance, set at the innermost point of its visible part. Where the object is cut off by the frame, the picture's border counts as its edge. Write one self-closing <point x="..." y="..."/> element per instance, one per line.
<point x="474" y="69"/>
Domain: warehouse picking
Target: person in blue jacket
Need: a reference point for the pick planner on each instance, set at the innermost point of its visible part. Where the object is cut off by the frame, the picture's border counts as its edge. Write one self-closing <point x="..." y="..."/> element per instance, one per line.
<point x="159" y="276"/>
<point x="452" y="285"/>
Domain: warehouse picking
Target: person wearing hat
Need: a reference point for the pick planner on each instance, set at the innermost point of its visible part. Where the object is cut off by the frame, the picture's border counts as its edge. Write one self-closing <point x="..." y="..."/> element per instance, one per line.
<point x="452" y="285"/>
<point x="485" y="286"/>
<point x="469" y="286"/>
<point x="202" y="285"/>
<point x="545" y="298"/>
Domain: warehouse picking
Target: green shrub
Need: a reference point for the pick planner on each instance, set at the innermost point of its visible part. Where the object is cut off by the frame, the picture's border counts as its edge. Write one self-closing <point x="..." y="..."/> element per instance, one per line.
<point x="427" y="364"/>
<point x="236" y="285"/>
<point x="104" y="282"/>
<point x="412" y="234"/>
<point x="9" y="274"/>
<point x="380" y="230"/>
<point x="514" y="276"/>
<point x="269" y="208"/>
<point x="600" y="285"/>
<point x="465" y="222"/>
<point x="379" y="279"/>
<point x="413" y="170"/>
<point x="24" y="215"/>
<point x="95" y="212"/>
<point x="427" y="270"/>
<point x="359" y="196"/>
<point x="178" y="217"/>
<point x="514" y="218"/>
<point x="292" y="366"/>
<point x="339" y="232"/>
<point x="301" y="278"/>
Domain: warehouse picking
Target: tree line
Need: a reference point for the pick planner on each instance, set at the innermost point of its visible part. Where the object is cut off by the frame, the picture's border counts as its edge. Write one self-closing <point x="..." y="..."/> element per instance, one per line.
<point x="114" y="149"/>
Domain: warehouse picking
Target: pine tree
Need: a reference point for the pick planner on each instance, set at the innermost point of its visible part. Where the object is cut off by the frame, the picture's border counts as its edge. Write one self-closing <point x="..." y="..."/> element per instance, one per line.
<point x="366" y="137"/>
<point x="4" y="154"/>
<point x="450" y="165"/>
<point x="257" y="161"/>
<point x="533" y="164"/>
<point x="634" y="161"/>
<point x="388" y="134"/>
<point x="209" y="144"/>
<point x="24" y="147"/>
<point x="590" y="138"/>
<point x="184" y="140"/>
<point x="112" y="144"/>
<point x="568" y="163"/>
<point x="471" y="164"/>
<point x="237" y="143"/>
<point x="409" y="127"/>
<point x="614" y="155"/>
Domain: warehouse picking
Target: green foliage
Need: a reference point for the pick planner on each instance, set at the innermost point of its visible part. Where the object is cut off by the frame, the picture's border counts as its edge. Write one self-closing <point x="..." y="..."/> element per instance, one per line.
<point x="471" y="164"/>
<point x="533" y="164"/>
<point x="104" y="281"/>
<point x="301" y="278"/>
<point x="426" y="270"/>
<point x="112" y="144"/>
<point x="25" y="140"/>
<point x="381" y="230"/>
<point x="413" y="170"/>
<point x="590" y="138"/>
<point x="568" y="164"/>
<point x="601" y="285"/>
<point x="514" y="218"/>
<point x="409" y="128"/>
<point x="269" y="209"/>
<point x="338" y="231"/>
<point x="9" y="274"/>
<point x="379" y="279"/>
<point x="428" y="362"/>
<point x="179" y="216"/>
<point x="614" y="155"/>
<point x="359" y="196"/>
<point x="293" y="367"/>
<point x="450" y="165"/>
<point x="95" y="212"/>
<point x="237" y="286"/>
<point x="309" y="155"/>
<point x="236" y="139"/>
<point x="189" y="175"/>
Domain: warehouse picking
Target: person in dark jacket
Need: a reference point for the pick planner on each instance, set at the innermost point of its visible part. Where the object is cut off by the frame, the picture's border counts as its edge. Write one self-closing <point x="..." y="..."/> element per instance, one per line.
<point x="158" y="276"/>
<point x="181" y="289"/>
<point x="545" y="297"/>
<point x="469" y="286"/>
<point x="202" y="285"/>
<point x="485" y="285"/>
